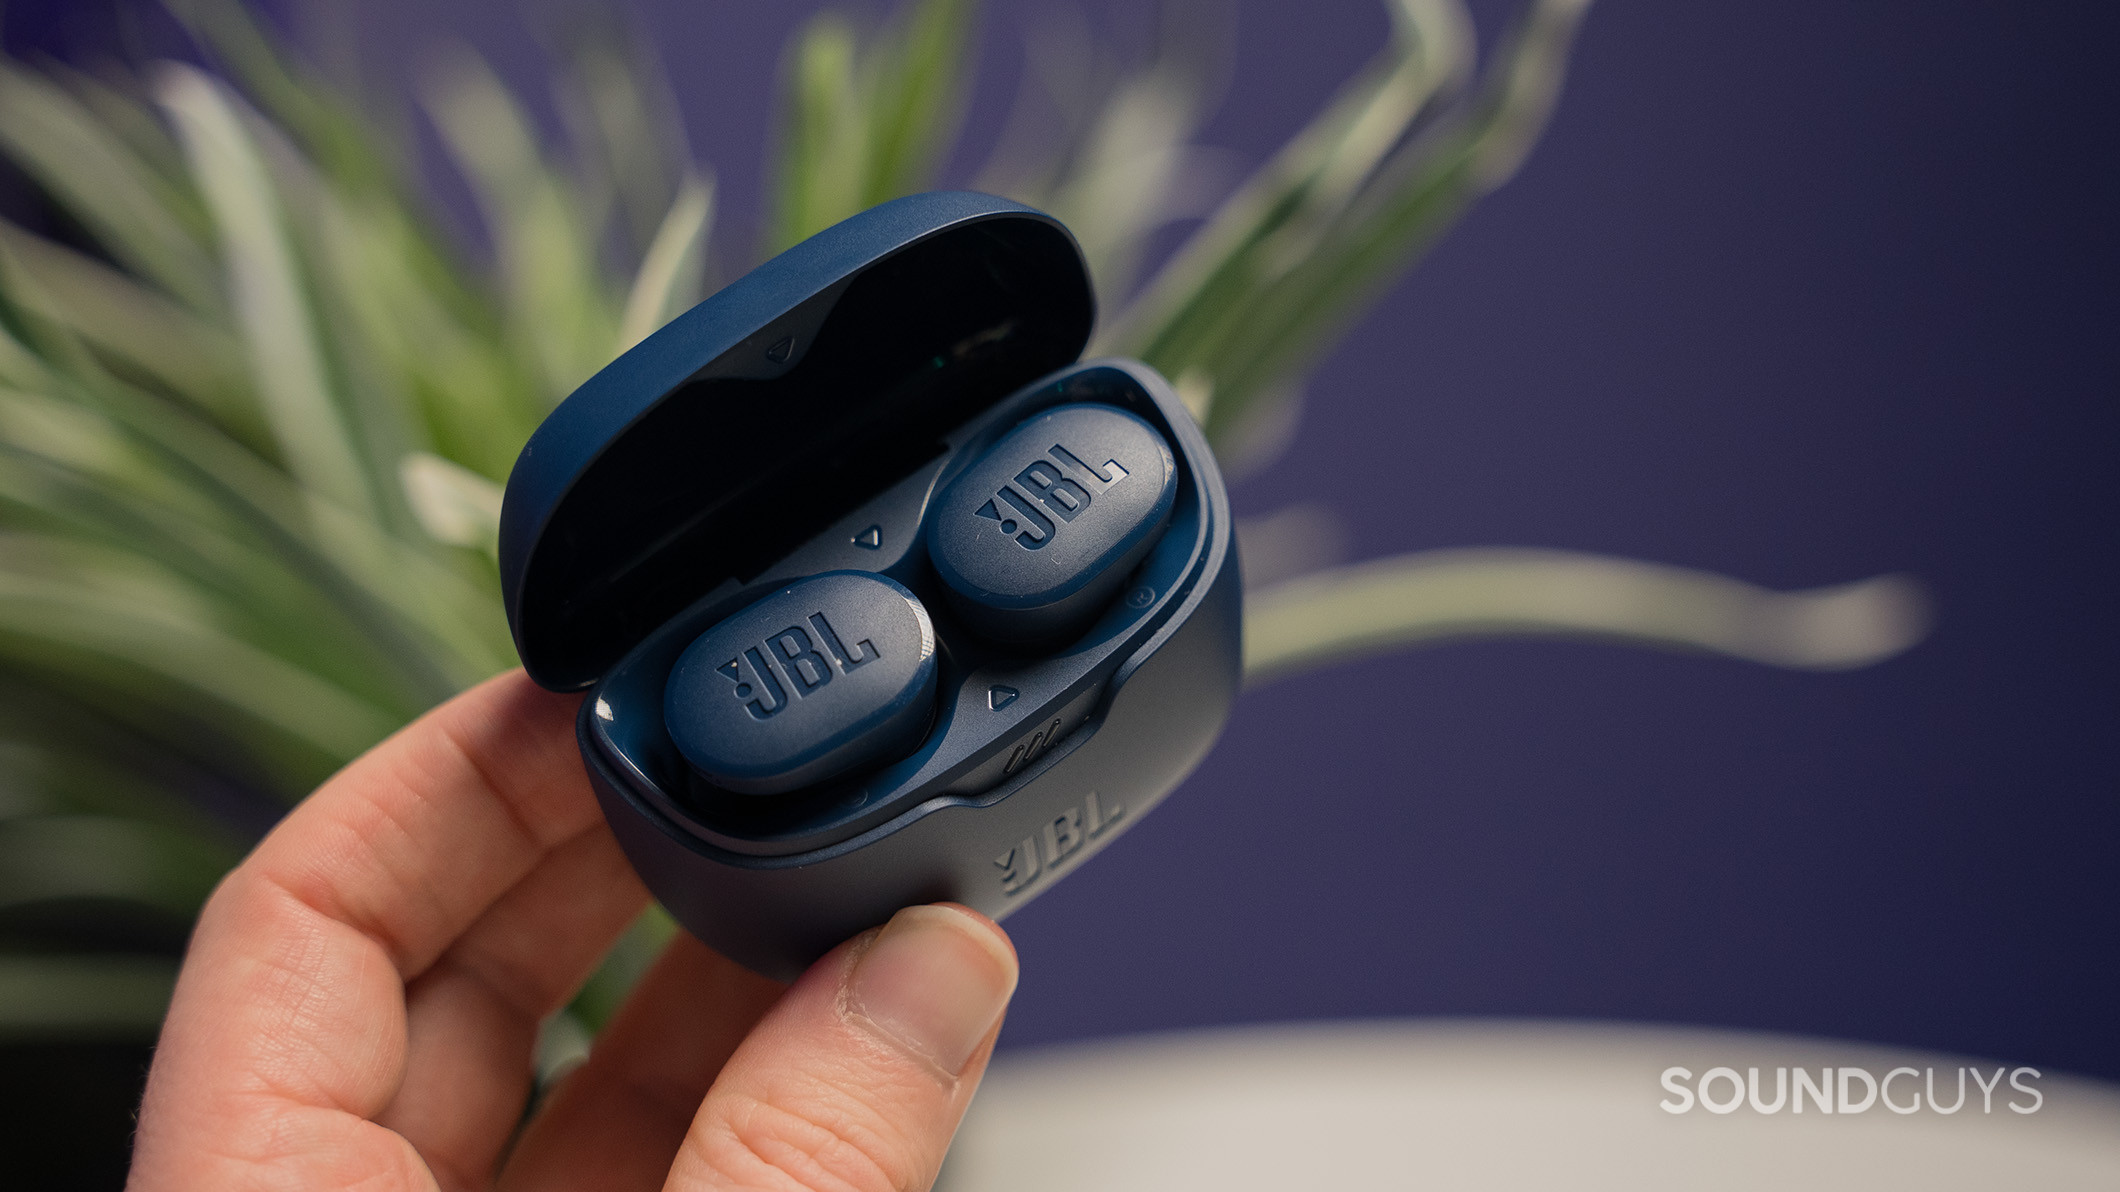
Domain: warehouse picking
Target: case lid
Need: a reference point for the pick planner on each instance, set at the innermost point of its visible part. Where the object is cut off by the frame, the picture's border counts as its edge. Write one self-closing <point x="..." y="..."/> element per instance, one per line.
<point x="757" y="418"/>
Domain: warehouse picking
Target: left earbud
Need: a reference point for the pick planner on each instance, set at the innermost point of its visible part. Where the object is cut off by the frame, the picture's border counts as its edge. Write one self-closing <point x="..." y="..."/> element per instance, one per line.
<point x="826" y="675"/>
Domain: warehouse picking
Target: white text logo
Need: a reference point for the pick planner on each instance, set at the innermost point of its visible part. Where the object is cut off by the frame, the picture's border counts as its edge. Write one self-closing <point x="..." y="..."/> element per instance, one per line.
<point x="1847" y="1090"/>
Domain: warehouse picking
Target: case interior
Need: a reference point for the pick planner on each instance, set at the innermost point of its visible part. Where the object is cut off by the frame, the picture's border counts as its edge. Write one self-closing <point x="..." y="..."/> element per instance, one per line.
<point x="759" y="446"/>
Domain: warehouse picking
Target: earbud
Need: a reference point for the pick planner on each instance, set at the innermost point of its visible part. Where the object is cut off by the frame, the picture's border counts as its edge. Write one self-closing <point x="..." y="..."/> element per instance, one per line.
<point x="826" y="675"/>
<point x="1032" y="540"/>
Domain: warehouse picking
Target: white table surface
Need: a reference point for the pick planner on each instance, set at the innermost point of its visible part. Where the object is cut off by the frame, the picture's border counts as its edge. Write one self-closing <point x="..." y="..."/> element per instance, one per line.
<point x="1485" y="1104"/>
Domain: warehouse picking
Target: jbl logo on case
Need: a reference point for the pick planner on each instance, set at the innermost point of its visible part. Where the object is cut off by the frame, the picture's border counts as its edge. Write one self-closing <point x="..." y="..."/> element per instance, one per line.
<point x="1058" y="840"/>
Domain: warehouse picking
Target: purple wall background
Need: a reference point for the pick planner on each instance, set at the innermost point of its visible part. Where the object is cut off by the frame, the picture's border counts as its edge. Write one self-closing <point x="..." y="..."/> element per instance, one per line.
<point x="1802" y="292"/>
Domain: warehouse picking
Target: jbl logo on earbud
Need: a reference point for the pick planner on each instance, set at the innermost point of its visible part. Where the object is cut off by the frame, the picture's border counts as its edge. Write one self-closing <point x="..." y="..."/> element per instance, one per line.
<point x="1017" y="505"/>
<point x="790" y="661"/>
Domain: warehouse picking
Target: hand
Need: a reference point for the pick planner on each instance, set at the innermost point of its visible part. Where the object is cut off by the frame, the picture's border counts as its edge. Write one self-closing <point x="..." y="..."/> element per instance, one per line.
<point x="362" y="995"/>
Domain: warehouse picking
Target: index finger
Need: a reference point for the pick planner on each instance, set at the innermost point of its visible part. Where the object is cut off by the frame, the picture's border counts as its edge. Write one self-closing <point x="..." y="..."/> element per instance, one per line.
<point x="292" y="996"/>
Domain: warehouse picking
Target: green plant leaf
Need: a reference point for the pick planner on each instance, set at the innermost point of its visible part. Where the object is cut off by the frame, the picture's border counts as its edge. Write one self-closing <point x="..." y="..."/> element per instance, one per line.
<point x="1280" y="271"/>
<point x="70" y="858"/>
<point x="1265" y="227"/>
<point x="438" y="626"/>
<point x="208" y="563"/>
<point x="460" y="391"/>
<point x="249" y="473"/>
<point x="821" y="147"/>
<point x="145" y="222"/>
<point x="335" y="136"/>
<point x="623" y="968"/>
<point x="670" y="274"/>
<point x="915" y="101"/>
<point x="624" y="128"/>
<point x="58" y="759"/>
<point x="1343" y="612"/>
<point x="115" y="97"/>
<point x="455" y="505"/>
<point x="76" y="997"/>
<point x="866" y="122"/>
<point x="97" y="621"/>
<point x="1106" y="146"/>
<point x="154" y="337"/>
<point x="561" y="309"/>
<point x="1416" y="195"/>
<point x="272" y="306"/>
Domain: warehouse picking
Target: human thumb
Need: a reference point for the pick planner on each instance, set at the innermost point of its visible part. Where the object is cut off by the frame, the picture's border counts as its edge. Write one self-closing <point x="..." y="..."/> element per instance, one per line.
<point x="858" y="1076"/>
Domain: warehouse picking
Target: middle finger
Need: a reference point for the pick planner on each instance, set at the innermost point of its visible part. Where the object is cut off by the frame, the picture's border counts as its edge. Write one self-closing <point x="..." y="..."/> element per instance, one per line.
<point x="472" y="1018"/>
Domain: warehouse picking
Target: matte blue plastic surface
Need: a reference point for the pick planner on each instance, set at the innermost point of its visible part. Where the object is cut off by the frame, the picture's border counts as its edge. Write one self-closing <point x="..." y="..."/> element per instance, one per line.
<point x="1035" y="537"/>
<point x="779" y="454"/>
<point x="827" y="674"/>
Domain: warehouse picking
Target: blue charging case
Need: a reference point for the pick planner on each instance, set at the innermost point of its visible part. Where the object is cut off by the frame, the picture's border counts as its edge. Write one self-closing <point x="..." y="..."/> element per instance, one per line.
<point x="806" y="421"/>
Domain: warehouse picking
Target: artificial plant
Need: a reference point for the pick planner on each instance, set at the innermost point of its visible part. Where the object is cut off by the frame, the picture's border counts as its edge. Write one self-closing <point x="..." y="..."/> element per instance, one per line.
<point x="256" y="404"/>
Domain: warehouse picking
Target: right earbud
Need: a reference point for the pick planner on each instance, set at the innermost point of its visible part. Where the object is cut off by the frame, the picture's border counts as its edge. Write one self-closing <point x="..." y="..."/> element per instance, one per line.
<point x="1033" y="540"/>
